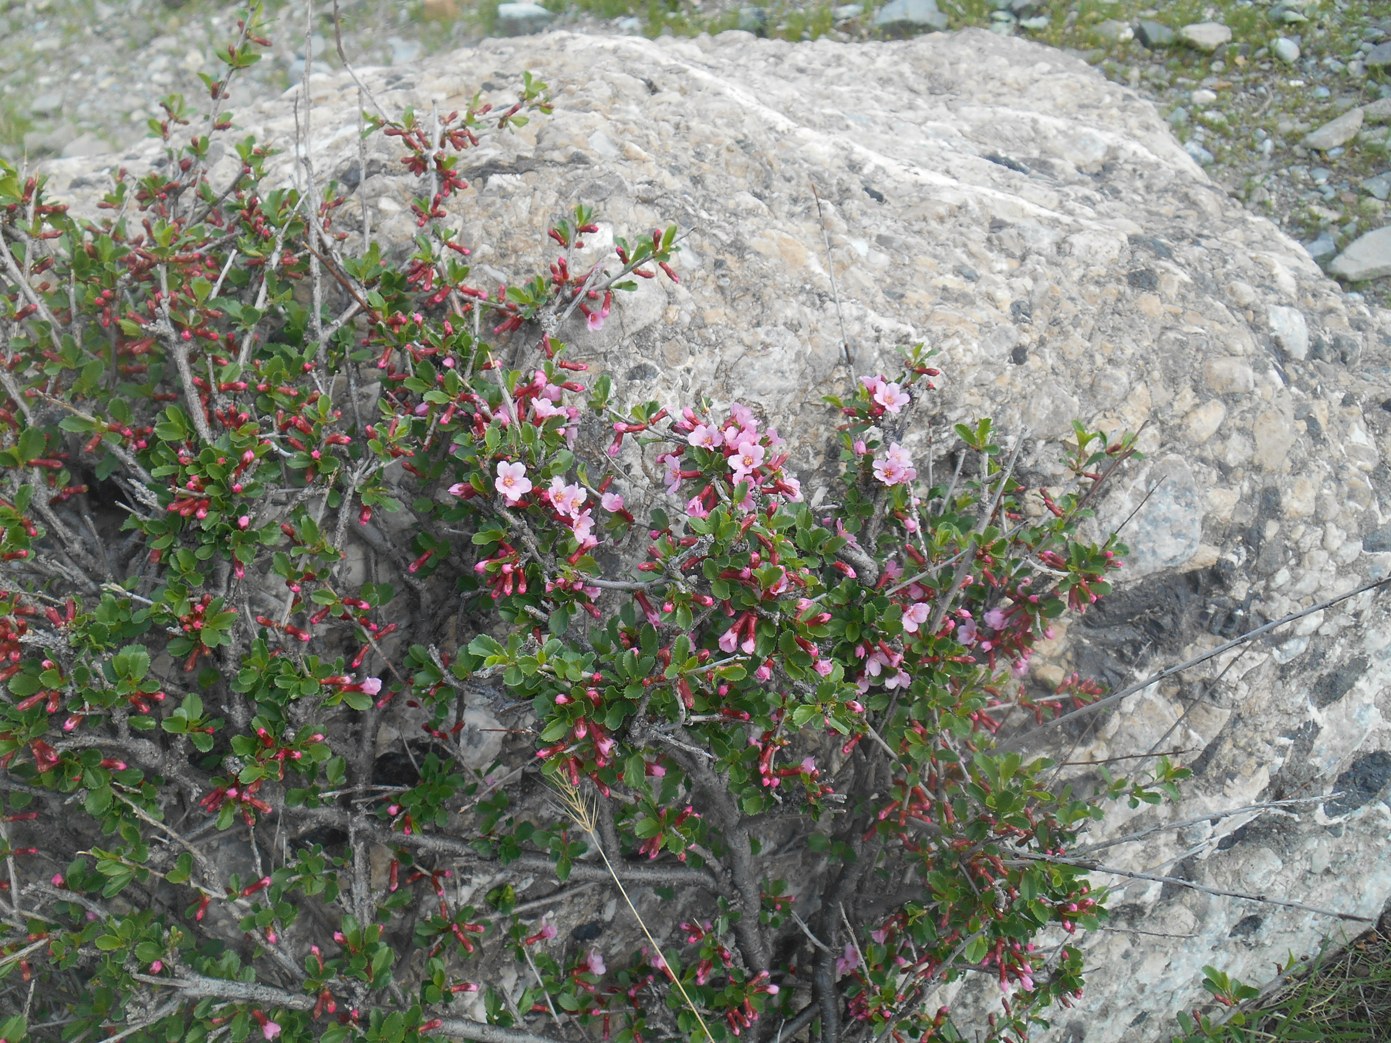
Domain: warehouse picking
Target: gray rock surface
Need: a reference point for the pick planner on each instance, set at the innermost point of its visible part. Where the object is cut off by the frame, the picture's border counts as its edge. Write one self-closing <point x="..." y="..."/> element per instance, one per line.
<point x="1335" y="132"/>
<point x="1366" y="257"/>
<point x="1290" y="330"/>
<point x="1043" y="229"/>
<point x="1378" y="111"/>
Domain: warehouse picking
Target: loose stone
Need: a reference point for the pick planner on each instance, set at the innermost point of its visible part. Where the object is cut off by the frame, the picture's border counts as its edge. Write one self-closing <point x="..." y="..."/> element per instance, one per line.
<point x="1367" y="257"/>
<point x="1335" y="132"/>
<point x="1205" y="36"/>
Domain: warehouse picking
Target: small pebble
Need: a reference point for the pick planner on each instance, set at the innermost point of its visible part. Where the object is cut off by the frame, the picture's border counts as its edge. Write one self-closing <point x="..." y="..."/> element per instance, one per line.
<point x="1200" y="155"/>
<point x="1379" y="186"/>
<point x="1286" y="50"/>
<point x="1322" y="249"/>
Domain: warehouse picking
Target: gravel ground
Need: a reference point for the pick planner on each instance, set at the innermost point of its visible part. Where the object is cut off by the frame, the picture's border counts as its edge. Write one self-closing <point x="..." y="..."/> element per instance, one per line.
<point x="79" y="77"/>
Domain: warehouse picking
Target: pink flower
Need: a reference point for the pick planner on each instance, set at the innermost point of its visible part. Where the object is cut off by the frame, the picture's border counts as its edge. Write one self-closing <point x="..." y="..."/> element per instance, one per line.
<point x="735" y="435"/>
<point x="915" y="615"/>
<point x="270" y="1029"/>
<point x="594" y="963"/>
<point x="459" y="489"/>
<point x="892" y="397"/>
<point x="371" y="685"/>
<point x="791" y="487"/>
<point x="672" y="475"/>
<point x="566" y="498"/>
<point x="544" y="409"/>
<point x="512" y="481"/>
<point x="545" y="934"/>
<point x="747" y="456"/>
<point x="696" y="508"/>
<point x="848" y="960"/>
<point x="705" y="436"/>
<point x="729" y="640"/>
<point x="966" y="631"/>
<point x="894" y="467"/>
<point x="611" y="502"/>
<point x="995" y="620"/>
<point x="583" y="528"/>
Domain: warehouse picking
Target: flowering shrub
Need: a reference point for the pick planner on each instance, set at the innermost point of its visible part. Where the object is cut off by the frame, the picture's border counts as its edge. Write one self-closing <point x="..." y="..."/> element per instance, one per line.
<point x="279" y="527"/>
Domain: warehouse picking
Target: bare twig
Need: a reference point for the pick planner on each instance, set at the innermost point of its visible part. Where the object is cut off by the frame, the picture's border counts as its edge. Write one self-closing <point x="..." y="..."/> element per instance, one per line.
<point x="343" y="57"/>
<point x="1168" y="827"/>
<point x="1169" y="671"/>
<point x="1158" y="878"/>
<point x="846" y="355"/>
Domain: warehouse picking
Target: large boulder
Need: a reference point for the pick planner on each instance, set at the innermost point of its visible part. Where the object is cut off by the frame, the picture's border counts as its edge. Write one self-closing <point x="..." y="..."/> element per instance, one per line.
<point x="1042" y="228"/>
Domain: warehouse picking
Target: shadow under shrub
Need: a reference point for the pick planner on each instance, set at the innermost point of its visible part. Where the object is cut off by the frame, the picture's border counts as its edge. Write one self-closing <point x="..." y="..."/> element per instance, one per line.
<point x="343" y="629"/>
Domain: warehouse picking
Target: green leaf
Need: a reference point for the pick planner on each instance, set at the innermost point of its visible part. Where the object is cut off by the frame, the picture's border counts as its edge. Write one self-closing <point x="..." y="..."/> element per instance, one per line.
<point x="360" y="701"/>
<point x="183" y="869"/>
<point x="31" y="442"/>
<point x="131" y="663"/>
<point x="485" y="645"/>
<point x="976" y="949"/>
<point x="98" y="801"/>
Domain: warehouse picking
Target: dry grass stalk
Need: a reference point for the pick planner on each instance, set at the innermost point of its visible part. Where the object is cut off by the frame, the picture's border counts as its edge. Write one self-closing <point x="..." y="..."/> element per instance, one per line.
<point x="577" y="807"/>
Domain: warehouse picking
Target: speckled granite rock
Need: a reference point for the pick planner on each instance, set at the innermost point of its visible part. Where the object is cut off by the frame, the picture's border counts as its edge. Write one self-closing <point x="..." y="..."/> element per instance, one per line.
<point x="1044" y="230"/>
